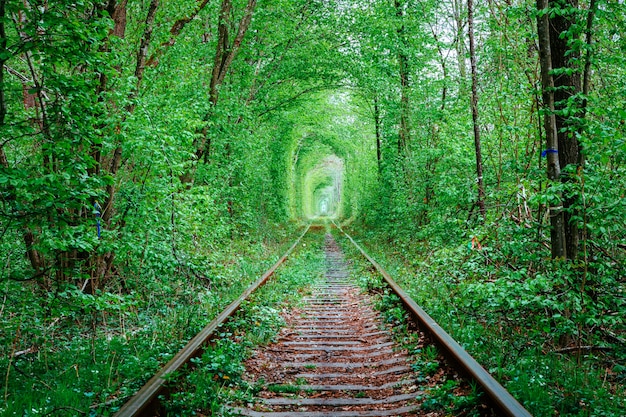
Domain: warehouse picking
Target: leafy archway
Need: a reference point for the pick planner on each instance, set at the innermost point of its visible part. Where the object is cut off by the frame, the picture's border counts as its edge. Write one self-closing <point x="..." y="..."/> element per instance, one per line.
<point x="332" y="157"/>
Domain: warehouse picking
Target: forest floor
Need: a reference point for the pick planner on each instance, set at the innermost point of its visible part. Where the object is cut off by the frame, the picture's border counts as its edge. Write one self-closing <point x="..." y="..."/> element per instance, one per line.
<point x="517" y="319"/>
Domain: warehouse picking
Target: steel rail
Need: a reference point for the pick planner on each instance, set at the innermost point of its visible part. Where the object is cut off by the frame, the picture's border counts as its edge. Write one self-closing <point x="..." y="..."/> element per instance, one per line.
<point x="499" y="396"/>
<point x="143" y="402"/>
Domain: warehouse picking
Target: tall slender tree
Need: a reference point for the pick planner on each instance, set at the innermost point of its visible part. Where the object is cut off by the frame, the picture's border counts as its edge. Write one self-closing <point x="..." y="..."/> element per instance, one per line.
<point x="459" y="23"/>
<point x="560" y="39"/>
<point x="404" y="133"/>
<point x="480" y="201"/>
<point x="377" y="128"/>
<point x="557" y="231"/>
<point x="4" y="56"/>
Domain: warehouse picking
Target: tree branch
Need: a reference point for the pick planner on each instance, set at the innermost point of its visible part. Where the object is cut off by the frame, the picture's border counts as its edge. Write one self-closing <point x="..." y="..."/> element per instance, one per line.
<point x="176" y="29"/>
<point x="297" y="96"/>
<point x="588" y="40"/>
<point x="581" y="348"/>
<point x="142" y="52"/>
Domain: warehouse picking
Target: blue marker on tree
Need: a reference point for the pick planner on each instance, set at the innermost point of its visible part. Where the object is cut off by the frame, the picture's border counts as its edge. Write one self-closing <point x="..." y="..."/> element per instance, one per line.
<point x="547" y="151"/>
<point x="97" y="212"/>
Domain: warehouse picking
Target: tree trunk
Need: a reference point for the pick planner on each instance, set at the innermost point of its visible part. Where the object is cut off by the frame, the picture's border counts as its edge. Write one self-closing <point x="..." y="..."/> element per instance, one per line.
<point x="378" y="134"/>
<point x="567" y="84"/>
<point x="404" y="135"/>
<point x="175" y="30"/>
<point x="103" y="263"/>
<point x="480" y="202"/>
<point x="557" y="231"/>
<point x="36" y="260"/>
<point x="3" y="109"/>
<point x="444" y="68"/>
<point x="457" y="9"/>
<point x="225" y="53"/>
<point x="588" y="40"/>
<point x="117" y="11"/>
<point x="142" y="52"/>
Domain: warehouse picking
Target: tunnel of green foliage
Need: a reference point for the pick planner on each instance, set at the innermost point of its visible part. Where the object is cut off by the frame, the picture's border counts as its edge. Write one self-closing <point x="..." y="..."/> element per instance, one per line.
<point x="332" y="158"/>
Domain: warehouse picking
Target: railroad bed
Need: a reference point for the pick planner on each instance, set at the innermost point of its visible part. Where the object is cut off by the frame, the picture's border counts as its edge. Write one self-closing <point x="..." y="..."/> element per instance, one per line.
<point x="335" y="357"/>
<point x="338" y="356"/>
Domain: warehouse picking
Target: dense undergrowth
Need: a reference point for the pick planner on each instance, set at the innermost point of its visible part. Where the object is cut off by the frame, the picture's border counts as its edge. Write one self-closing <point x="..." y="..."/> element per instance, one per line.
<point x="218" y="378"/>
<point x="68" y="352"/>
<point x="556" y="345"/>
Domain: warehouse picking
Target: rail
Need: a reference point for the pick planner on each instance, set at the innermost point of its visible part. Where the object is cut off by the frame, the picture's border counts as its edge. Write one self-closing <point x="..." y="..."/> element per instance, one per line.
<point x="144" y="402"/>
<point x="500" y="398"/>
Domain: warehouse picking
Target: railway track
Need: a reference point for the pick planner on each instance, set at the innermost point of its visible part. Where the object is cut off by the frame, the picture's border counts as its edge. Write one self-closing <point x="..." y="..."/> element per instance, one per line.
<point x="336" y="357"/>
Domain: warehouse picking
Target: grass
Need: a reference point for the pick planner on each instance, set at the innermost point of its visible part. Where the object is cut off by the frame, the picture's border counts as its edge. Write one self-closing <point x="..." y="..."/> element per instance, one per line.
<point x="502" y="323"/>
<point x="284" y="388"/>
<point x="86" y="354"/>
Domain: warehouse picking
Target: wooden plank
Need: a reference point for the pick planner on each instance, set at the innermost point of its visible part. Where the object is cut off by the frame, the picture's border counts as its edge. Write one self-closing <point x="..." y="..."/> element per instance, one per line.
<point x="368" y="413"/>
<point x="393" y="370"/>
<point x="354" y="387"/>
<point x="314" y="347"/>
<point x="338" y="402"/>
<point x="393" y="361"/>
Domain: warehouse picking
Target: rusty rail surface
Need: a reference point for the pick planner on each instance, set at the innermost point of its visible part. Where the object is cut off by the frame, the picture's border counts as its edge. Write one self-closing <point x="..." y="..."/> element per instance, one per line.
<point x="500" y="398"/>
<point x="143" y="403"/>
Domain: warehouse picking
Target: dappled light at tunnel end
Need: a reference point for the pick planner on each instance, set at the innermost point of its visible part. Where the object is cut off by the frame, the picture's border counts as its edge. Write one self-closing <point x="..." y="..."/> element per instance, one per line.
<point x="323" y="186"/>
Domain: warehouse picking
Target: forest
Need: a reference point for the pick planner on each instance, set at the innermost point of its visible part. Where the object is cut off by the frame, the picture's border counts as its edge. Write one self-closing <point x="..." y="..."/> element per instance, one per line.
<point x="156" y="156"/>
